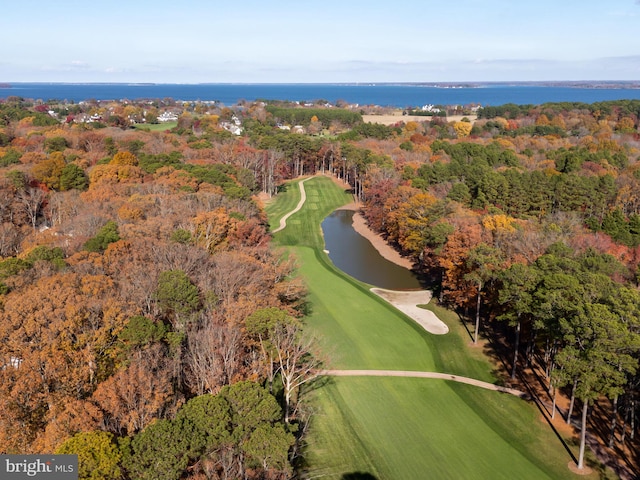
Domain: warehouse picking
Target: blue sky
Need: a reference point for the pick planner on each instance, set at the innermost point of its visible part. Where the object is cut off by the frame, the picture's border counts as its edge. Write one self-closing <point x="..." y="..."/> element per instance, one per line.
<point x="268" y="41"/>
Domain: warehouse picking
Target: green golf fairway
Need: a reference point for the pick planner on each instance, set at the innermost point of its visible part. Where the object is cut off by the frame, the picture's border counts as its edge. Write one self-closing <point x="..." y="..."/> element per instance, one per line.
<point x="341" y="311"/>
<point x="412" y="429"/>
<point x="391" y="427"/>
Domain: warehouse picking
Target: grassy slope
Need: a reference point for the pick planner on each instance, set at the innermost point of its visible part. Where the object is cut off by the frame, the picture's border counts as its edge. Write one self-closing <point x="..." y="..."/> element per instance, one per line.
<point x="396" y="427"/>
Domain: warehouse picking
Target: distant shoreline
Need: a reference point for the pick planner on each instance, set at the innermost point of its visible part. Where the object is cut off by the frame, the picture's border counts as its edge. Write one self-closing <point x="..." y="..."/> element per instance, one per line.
<point x="408" y="95"/>
<point x="596" y="84"/>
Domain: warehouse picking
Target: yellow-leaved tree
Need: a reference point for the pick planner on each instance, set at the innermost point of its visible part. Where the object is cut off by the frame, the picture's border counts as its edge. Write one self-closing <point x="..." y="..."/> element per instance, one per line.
<point x="499" y="223"/>
<point x="49" y="171"/>
<point x="124" y="158"/>
<point x="462" y="129"/>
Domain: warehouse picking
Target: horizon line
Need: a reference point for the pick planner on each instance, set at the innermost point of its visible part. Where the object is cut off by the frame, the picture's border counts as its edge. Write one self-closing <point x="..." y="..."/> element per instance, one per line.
<point x="399" y="82"/>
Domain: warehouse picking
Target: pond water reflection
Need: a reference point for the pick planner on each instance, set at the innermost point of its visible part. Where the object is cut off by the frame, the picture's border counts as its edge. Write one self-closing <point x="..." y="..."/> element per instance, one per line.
<point x="356" y="256"/>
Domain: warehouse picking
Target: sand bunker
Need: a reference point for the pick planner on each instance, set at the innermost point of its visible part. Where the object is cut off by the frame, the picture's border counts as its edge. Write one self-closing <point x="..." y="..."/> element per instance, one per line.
<point x="407" y="302"/>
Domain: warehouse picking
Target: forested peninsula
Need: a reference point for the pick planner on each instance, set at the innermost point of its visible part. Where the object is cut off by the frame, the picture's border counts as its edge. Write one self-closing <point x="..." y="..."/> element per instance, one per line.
<point x="148" y="324"/>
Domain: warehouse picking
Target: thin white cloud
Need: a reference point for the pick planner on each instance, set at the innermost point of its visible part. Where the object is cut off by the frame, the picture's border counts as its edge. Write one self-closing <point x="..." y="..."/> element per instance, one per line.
<point x="72" y="66"/>
<point x="79" y="65"/>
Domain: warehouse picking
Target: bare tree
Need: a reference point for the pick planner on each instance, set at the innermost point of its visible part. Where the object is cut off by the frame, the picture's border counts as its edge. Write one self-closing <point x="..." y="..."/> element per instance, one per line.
<point x="213" y="357"/>
<point x="10" y="237"/>
<point x="32" y="200"/>
<point x="269" y="171"/>
<point x="91" y="142"/>
<point x="7" y="193"/>
<point x="204" y="363"/>
<point x="296" y="362"/>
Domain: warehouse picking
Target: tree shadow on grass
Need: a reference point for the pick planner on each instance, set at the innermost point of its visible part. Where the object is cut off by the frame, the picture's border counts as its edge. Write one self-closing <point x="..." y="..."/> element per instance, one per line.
<point x="282" y="188"/>
<point x="620" y="457"/>
<point x="464" y="321"/>
<point x="528" y="378"/>
<point x="305" y="307"/>
<point x="358" y="476"/>
<point x="545" y="414"/>
<point x="317" y="383"/>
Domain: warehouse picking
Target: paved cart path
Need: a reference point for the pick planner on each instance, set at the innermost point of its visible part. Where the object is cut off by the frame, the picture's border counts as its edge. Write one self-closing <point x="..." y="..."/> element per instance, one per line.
<point x="303" y="198"/>
<point x="412" y="374"/>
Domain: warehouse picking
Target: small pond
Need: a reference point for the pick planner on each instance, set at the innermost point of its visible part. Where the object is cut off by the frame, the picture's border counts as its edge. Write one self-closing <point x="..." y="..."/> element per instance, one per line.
<point x="356" y="256"/>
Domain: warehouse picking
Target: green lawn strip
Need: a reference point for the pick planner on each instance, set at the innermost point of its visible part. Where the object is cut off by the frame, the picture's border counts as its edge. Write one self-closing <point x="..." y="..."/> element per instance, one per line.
<point x="416" y="428"/>
<point x="156" y="127"/>
<point x="522" y="425"/>
<point x="334" y="446"/>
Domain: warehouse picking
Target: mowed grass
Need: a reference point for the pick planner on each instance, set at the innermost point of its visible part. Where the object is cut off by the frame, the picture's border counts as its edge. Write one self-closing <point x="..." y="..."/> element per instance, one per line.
<point x="286" y="200"/>
<point x="156" y="127"/>
<point x="401" y="428"/>
<point x="356" y="329"/>
<point x="303" y="228"/>
<point x="400" y="437"/>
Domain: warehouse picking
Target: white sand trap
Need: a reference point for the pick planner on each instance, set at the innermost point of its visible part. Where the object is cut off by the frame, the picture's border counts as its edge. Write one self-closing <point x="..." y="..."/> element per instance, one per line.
<point x="407" y="302"/>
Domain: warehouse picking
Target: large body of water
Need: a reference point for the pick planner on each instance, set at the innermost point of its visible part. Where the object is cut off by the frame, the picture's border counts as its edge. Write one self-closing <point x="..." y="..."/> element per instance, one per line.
<point x="397" y="95"/>
<point x="354" y="254"/>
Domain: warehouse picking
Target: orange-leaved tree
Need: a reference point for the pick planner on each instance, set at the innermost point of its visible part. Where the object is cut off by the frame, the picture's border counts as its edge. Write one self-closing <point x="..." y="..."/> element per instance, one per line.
<point x="56" y="342"/>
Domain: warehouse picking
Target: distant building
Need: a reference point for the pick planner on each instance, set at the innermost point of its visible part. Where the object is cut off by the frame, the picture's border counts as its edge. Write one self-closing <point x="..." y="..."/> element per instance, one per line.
<point x="430" y="108"/>
<point x="235" y="126"/>
<point x="167" y="117"/>
<point x="86" y="118"/>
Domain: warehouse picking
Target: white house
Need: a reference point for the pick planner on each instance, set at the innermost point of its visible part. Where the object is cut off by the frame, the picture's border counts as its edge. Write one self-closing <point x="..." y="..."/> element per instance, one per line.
<point x="167" y="117"/>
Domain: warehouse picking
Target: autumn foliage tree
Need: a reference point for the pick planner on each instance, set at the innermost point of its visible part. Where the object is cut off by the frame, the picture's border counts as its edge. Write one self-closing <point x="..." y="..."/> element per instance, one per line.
<point x="49" y="171"/>
<point x="56" y="347"/>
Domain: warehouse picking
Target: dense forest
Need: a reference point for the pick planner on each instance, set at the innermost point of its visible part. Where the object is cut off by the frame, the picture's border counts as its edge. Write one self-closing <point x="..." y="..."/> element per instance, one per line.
<point x="146" y="321"/>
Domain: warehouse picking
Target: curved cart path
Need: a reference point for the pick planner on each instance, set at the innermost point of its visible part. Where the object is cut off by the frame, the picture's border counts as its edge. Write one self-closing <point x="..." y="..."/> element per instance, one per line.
<point x="303" y="198"/>
<point x="411" y="374"/>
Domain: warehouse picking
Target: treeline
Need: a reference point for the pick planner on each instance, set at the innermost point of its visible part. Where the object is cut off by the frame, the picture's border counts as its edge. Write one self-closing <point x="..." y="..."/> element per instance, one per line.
<point x="304" y="116"/>
<point x="12" y="112"/>
<point x="513" y="111"/>
<point x="483" y="176"/>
